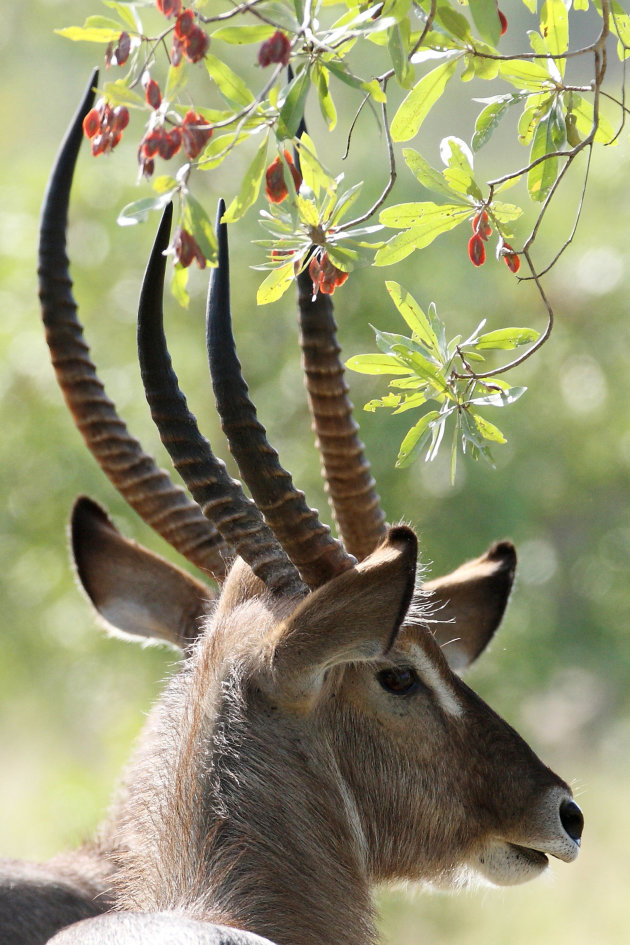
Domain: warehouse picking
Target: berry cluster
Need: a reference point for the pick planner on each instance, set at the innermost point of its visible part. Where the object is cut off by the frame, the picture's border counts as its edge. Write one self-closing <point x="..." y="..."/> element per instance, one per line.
<point x="104" y="126"/>
<point x="189" y="39"/>
<point x="276" y="188"/>
<point x="186" y="249"/>
<point x="275" y="49"/>
<point x="325" y="276"/>
<point x="482" y="231"/>
<point x="192" y="135"/>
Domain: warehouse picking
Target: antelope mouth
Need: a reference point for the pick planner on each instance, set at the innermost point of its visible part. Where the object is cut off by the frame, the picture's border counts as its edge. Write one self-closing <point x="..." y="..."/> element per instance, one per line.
<point x="503" y="863"/>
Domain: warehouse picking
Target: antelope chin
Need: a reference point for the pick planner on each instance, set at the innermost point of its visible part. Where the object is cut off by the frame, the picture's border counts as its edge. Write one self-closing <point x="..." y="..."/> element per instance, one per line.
<point x="508" y="864"/>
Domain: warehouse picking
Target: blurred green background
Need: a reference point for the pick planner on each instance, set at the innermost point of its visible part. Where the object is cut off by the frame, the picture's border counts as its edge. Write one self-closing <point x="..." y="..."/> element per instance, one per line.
<point x="72" y="701"/>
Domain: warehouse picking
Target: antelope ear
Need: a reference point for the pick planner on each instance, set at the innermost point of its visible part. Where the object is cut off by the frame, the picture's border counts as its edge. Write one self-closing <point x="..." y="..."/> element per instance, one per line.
<point x="134" y="591"/>
<point x="354" y="617"/>
<point x="470" y="602"/>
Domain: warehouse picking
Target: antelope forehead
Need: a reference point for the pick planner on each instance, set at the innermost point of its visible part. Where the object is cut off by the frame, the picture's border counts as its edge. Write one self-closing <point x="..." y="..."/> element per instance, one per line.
<point x="431" y="673"/>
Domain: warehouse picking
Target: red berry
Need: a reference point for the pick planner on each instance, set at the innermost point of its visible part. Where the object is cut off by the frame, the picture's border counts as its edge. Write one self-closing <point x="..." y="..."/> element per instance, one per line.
<point x="177" y="51"/>
<point x="275" y="49"/>
<point x="153" y="94"/>
<point x="476" y="250"/>
<point x="150" y="144"/>
<point x="481" y="225"/>
<point x="121" y="53"/>
<point x="170" y="144"/>
<point x="184" y="23"/>
<point x="92" y="123"/>
<point x="187" y="249"/>
<point x="196" y="44"/>
<point x="324" y="275"/>
<point x="276" y="187"/>
<point x="169" y="7"/>
<point x="512" y="260"/>
<point x="147" y="166"/>
<point x="504" y="22"/>
<point x="195" y="133"/>
<point x="120" y="119"/>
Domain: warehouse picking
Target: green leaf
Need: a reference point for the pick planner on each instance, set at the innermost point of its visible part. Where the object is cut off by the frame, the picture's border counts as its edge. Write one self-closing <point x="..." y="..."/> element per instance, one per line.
<point x="500" y="398"/>
<point x="176" y="79"/>
<point x="542" y="177"/>
<point x="326" y="104"/>
<point x="179" y="283"/>
<point x="416" y="439"/>
<point x="127" y="13"/>
<point x="164" y="184"/>
<point x="411" y="401"/>
<point x="276" y="284"/>
<point x="197" y="220"/>
<point x="250" y="187"/>
<point x="398" y="47"/>
<point x="486" y="18"/>
<point x="413" y="315"/>
<point x="119" y="93"/>
<point x="376" y="364"/>
<point x="506" y="339"/>
<point x="459" y="170"/>
<point x="584" y="117"/>
<point x="139" y="210"/>
<point x="230" y="85"/>
<point x="293" y="108"/>
<point x="489" y="118"/>
<point x="89" y="34"/>
<point x="427" y="175"/>
<point x="243" y="35"/>
<point x="314" y="175"/>
<point x="488" y="430"/>
<point x="525" y="74"/>
<point x="389" y="400"/>
<point x="419" y="102"/>
<point x="425" y="215"/>
<point x="554" y="27"/>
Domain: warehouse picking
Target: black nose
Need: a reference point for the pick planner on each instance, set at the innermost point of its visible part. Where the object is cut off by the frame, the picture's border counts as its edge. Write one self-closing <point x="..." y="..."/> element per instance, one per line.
<point x="572" y="819"/>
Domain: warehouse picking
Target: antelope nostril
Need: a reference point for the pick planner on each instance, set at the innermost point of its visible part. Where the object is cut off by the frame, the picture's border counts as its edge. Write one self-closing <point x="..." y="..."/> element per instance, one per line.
<point x="572" y="819"/>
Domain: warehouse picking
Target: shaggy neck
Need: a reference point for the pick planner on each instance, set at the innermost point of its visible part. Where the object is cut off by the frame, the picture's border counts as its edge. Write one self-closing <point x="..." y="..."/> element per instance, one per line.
<point x="235" y="832"/>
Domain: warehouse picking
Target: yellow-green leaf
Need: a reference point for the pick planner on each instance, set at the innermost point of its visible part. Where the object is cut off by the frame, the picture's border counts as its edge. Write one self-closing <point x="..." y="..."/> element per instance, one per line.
<point x="419" y="102"/>
<point x="276" y="284"/>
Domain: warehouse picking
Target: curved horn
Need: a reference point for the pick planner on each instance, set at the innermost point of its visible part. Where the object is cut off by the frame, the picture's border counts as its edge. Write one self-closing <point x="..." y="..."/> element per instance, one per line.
<point x="345" y="468"/>
<point x="350" y="485"/>
<point x="308" y="543"/>
<point x="148" y="489"/>
<point x="220" y="497"/>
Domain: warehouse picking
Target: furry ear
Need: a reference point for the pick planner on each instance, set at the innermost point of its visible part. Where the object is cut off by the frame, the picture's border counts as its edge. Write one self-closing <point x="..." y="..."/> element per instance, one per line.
<point x="470" y="602"/>
<point x="354" y="617"/>
<point x="135" y="591"/>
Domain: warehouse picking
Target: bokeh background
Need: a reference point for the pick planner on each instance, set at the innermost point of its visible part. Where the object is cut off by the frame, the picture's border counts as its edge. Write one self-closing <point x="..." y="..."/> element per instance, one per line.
<point x="72" y="700"/>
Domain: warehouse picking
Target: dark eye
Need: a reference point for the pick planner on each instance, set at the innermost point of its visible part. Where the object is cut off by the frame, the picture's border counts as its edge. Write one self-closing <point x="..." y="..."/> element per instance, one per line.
<point x="400" y="681"/>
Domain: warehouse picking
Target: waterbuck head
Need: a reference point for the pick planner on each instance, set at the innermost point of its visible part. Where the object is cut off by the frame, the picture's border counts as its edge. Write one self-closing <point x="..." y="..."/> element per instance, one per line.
<point x="318" y="739"/>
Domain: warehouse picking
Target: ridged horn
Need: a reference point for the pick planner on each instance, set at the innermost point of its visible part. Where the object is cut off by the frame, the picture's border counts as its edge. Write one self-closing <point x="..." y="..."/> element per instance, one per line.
<point x="350" y="485"/>
<point x="164" y="506"/>
<point x="220" y="497"/>
<point x="308" y="543"/>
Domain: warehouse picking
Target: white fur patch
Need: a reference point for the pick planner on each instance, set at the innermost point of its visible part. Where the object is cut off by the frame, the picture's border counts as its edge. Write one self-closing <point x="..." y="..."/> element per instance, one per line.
<point x="433" y="678"/>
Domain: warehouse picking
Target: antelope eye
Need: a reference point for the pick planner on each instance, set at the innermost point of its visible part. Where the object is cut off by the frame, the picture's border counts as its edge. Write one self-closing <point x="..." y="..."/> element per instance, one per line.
<point x="400" y="681"/>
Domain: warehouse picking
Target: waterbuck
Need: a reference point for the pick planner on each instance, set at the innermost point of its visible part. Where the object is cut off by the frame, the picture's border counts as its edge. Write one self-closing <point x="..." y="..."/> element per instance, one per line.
<point x="317" y="739"/>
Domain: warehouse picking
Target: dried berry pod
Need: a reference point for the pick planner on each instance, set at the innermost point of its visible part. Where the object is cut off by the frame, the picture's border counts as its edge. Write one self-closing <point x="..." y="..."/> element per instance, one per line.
<point x="504" y="22"/>
<point x="481" y="225"/>
<point x="121" y="53"/>
<point x="276" y="188"/>
<point x="169" y="7"/>
<point x="195" y="133"/>
<point x="324" y="275"/>
<point x="511" y="259"/>
<point x="119" y="119"/>
<point x="275" y="49"/>
<point x="196" y="44"/>
<point x="476" y="250"/>
<point x="153" y="94"/>
<point x="187" y="249"/>
<point x="184" y="23"/>
<point x="92" y="123"/>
